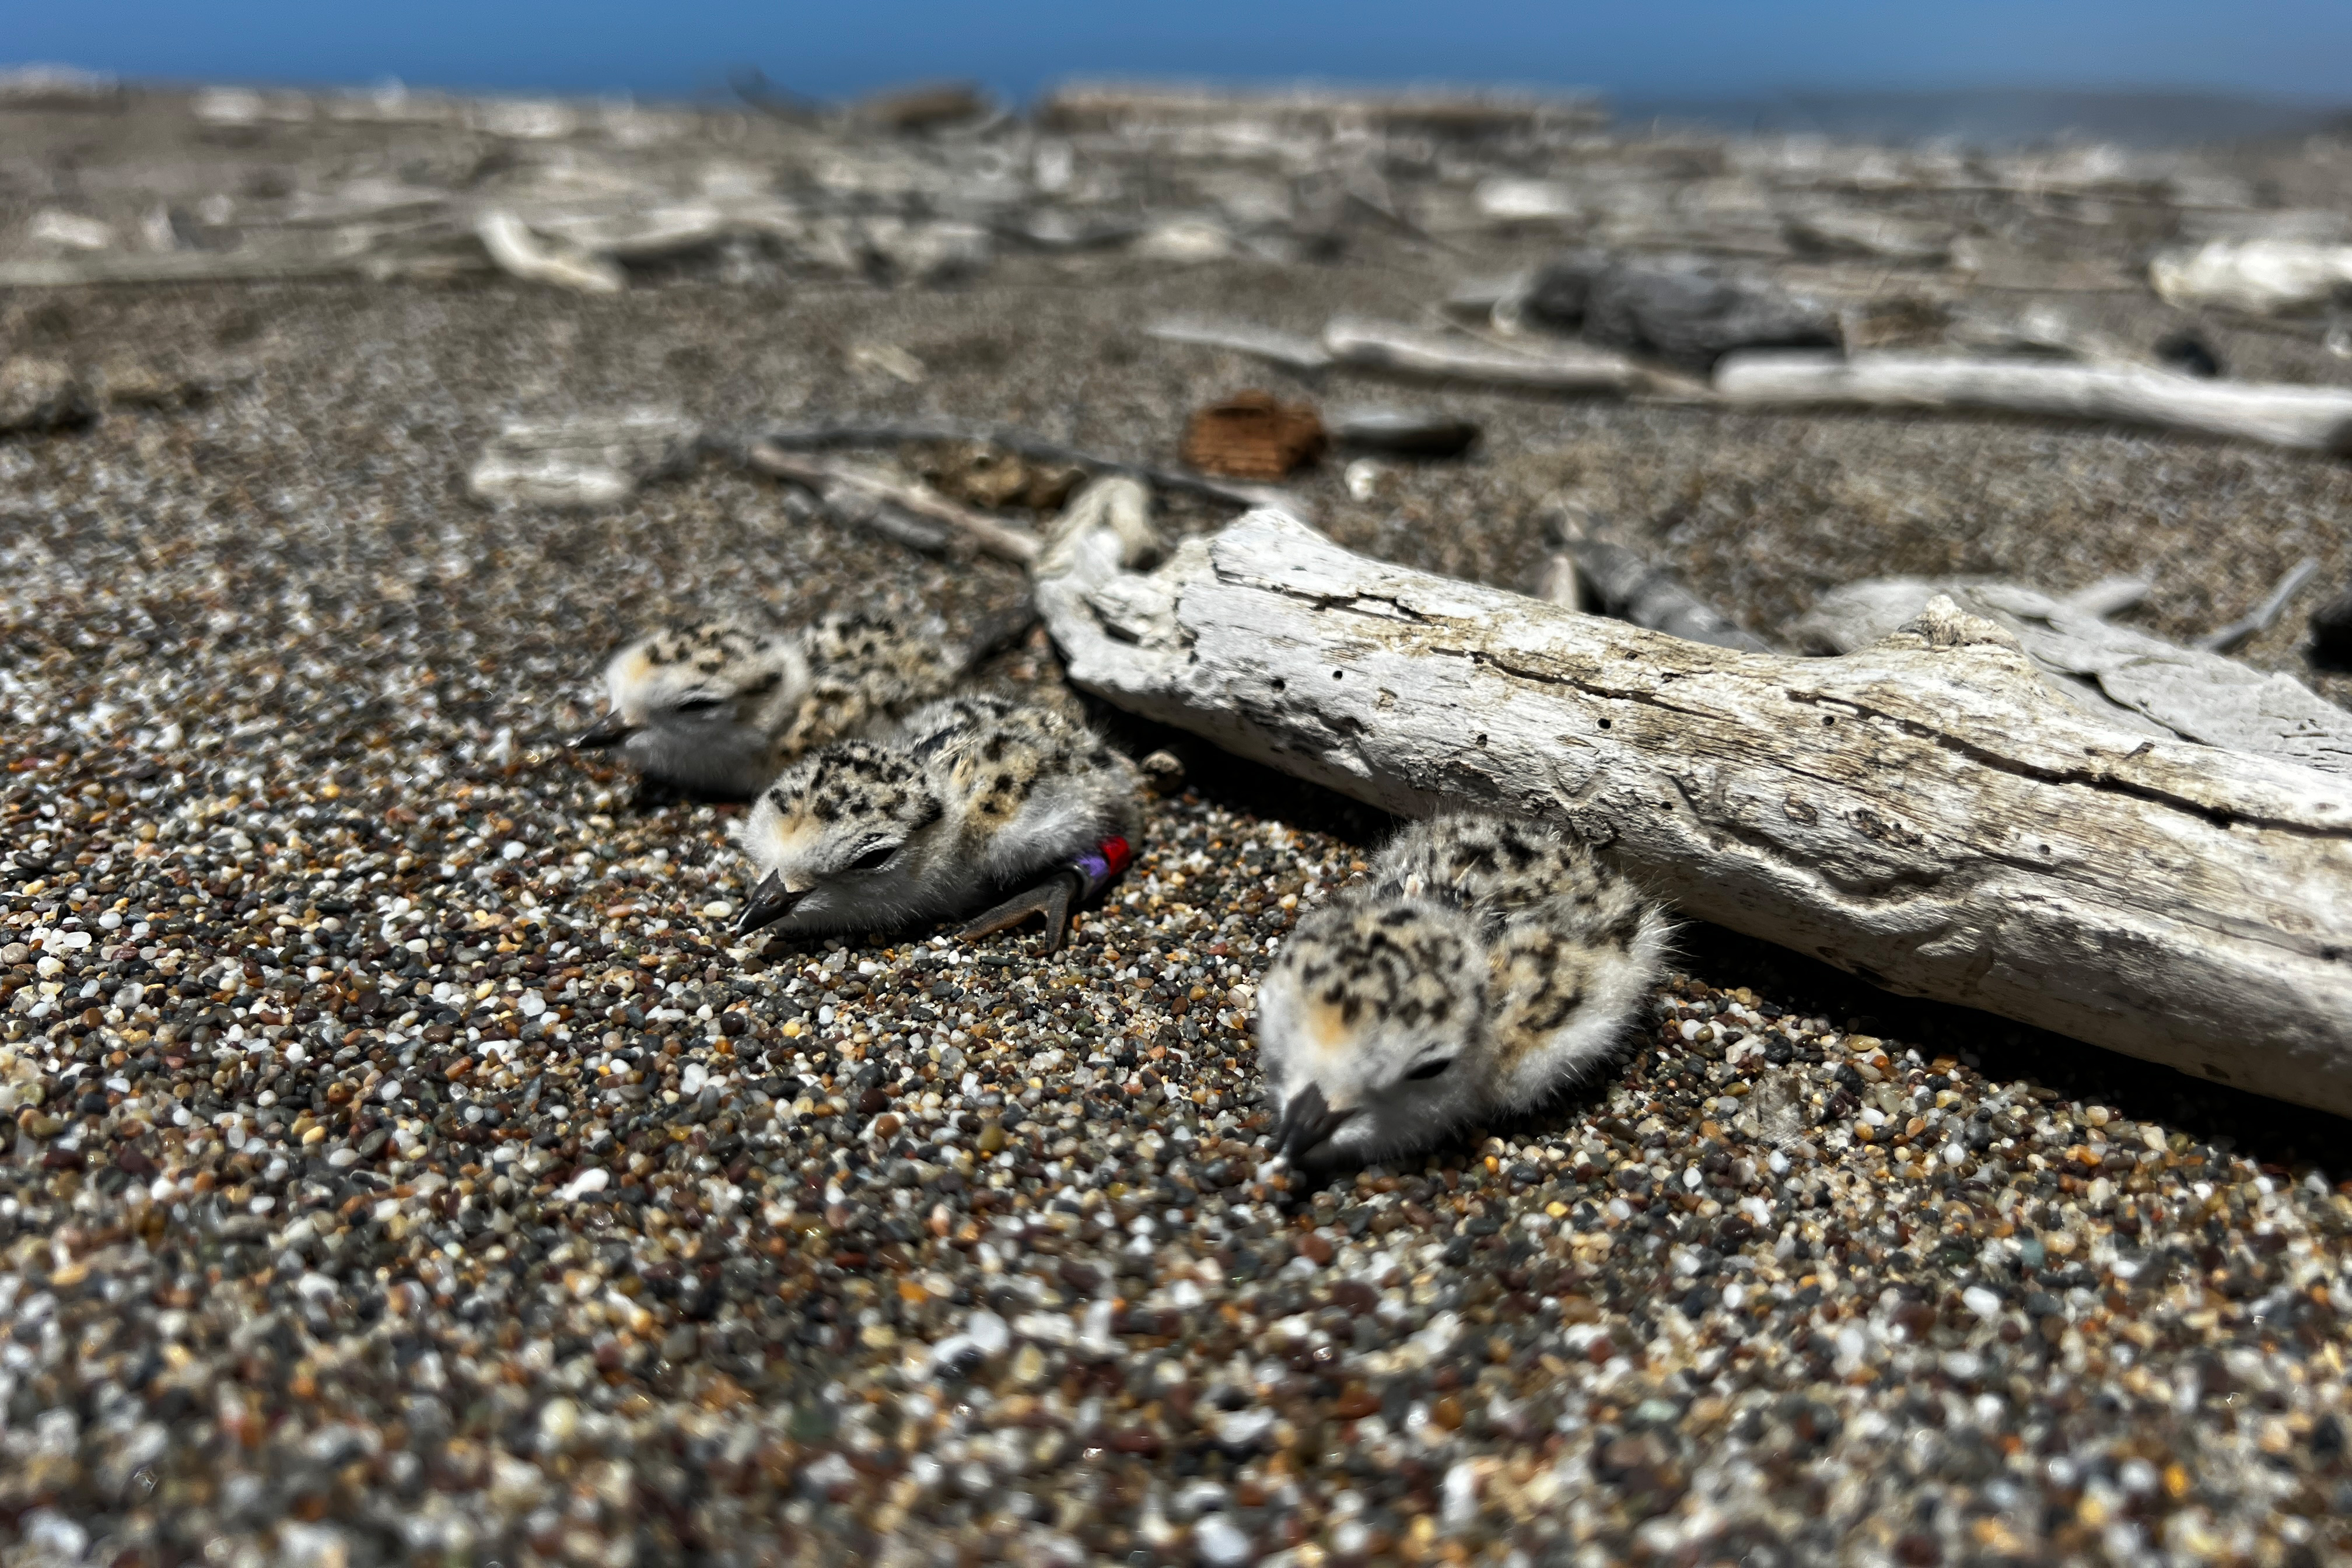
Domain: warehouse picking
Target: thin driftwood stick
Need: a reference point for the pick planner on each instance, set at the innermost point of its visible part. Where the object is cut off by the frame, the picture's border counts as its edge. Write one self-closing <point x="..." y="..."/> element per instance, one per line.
<point x="834" y="479"/>
<point x="1438" y="356"/>
<point x="1924" y="813"/>
<point x="2315" y="419"/>
<point x="2263" y="617"/>
<point x="1288" y="350"/>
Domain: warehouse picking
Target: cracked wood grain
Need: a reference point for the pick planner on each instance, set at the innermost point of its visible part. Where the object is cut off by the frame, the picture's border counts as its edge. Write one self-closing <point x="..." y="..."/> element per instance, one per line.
<point x="1925" y="812"/>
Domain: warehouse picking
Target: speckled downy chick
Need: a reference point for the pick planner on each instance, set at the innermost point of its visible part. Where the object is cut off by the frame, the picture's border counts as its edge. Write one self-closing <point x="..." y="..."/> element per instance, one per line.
<point x="972" y="796"/>
<point x="719" y="710"/>
<point x="1484" y="964"/>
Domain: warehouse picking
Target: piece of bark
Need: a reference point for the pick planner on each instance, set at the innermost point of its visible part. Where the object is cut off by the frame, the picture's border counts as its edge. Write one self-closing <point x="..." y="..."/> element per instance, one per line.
<point x="2314" y="419"/>
<point x="1253" y="435"/>
<point x="2121" y="675"/>
<point x="844" y="485"/>
<point x="1924" y="812"/>
<point x="1410" y="352"/>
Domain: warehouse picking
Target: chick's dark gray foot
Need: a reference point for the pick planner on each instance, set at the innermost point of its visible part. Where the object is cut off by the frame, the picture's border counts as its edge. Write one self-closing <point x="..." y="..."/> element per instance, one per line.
<point x="1052" y="898"/>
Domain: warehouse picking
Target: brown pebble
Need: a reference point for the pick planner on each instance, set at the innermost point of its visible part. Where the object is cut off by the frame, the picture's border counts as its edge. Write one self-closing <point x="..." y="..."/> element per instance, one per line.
<point x="1315" y="1248"/>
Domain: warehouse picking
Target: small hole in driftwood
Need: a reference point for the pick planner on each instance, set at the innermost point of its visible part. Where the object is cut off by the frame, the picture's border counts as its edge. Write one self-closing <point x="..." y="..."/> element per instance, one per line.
<point x="1280" y="684"/>
<point x="1605" y="723"/>
<point x="1828" y="719"/>
<point x="1339" y="674"/>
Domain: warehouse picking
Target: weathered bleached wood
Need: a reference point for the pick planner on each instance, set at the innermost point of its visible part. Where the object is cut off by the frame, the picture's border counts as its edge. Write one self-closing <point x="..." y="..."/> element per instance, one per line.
<point x="834" y="480"/>
<point x="1288" y="350"/>
<point x="525" y="255"/>
<point x="2122" y="675"/>
<point x="2315" y="419"/>
<point x="585" y="460"/>
<point x="1924" y="812"/>
<point x="1546" y="367"/>
<point x="2264" y="615"/>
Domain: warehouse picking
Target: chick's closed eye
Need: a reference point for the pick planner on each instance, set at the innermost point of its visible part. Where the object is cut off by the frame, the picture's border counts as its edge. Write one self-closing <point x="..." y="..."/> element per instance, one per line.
<point x="874" y="859"/>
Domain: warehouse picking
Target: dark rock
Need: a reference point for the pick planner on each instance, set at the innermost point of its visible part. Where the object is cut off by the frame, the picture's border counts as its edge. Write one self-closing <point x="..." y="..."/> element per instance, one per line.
<point x="2189" y="354"/>
<point x="1684" y="309"/>
<point x="2331" y="634"/>
<point x="1404" y="433"/>
<point x="41" y="394"/>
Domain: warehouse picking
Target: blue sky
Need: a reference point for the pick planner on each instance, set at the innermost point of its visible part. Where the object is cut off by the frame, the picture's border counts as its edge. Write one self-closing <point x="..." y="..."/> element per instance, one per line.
<point x="1647" y="48"/>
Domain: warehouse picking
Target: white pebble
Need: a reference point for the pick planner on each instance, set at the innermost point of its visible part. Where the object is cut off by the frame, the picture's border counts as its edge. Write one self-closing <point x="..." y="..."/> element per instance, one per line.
<point x="1981" y="1301"/>
<point x="513" y="849"/>
<point x="1221" y="1544"/>
<point x="594" y="1179"/>
<point x="531" y="1006"/>
<point x="558" y="1421"/>
<point x="988" y="1332"/>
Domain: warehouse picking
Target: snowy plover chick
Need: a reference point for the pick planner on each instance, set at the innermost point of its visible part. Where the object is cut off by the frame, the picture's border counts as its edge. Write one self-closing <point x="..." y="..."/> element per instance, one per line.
<point x="971" y="796"/>
<point x="720" y="709"/>
<point x="1485" y="964"/>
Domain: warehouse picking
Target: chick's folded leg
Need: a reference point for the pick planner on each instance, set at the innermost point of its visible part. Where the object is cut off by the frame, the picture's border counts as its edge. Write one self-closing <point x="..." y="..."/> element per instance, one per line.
<point x="1053" y="898"/>
<point x="1057" y="895"/>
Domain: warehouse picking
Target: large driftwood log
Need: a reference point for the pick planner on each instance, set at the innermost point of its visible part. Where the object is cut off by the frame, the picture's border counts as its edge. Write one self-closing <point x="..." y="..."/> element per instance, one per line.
<point x="2315" y="419"/>
<point x="1924" y="813"/>
<point x="2122" y="675"/>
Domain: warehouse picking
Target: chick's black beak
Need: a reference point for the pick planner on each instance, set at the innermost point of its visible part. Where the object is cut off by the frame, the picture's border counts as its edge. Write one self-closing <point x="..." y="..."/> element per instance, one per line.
<point x="771" y="901"/>
<point x="609" y="730"/>
<point x="1307" y="1124"/>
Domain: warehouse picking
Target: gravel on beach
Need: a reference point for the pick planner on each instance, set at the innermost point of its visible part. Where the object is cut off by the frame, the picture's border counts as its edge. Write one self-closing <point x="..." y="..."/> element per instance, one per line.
<point x="409" y="1165"/>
